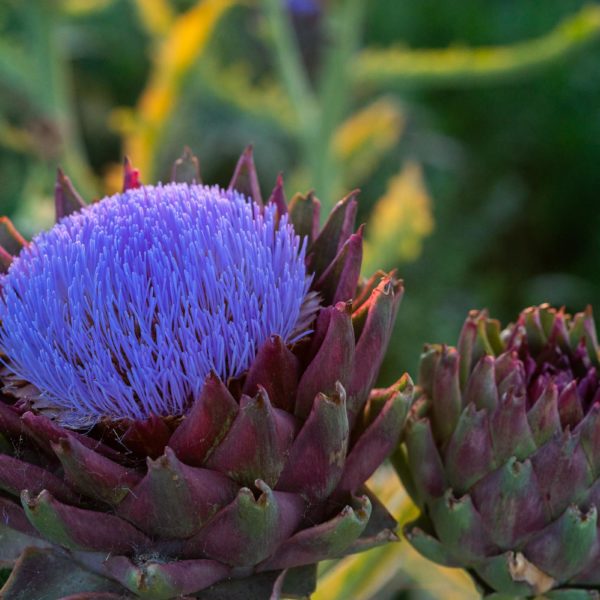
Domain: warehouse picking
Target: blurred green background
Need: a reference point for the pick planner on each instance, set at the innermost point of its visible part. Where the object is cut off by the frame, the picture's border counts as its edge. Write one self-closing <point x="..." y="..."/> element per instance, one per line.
<point x="472" y="128"/>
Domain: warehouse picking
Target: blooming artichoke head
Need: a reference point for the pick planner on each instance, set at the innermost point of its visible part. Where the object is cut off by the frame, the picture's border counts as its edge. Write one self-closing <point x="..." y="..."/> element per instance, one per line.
<point x="502" y="453"/>
<point x="187" y="374"/>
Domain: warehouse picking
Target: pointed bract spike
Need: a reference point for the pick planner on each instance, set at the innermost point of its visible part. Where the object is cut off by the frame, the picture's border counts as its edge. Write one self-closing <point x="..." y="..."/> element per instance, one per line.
<point x="511" y="435"/>
<point x="176" y="510"/>
<point x="13" y="517"/>
<point x="481" y="388"/>
<point x="252" y="448"/>
<point x="560" y="334"/>
<point x="277" y="370"/>
<point x="337" y="229"/>
<point x="66" y="199"/>
<point x="93" y="474"/>
<point x="245" y="179"/>
<point x="536" y="336"/>
<point x="277" y="197"/>
<point x="248" y="530"/>
<point x="16" y="475"/>
<point x="562" y="471"/>
<point x="186" y="169"/>
<point x="466" y="341"/>
<point x="514" y="381"/>
<point x="469" y="455"/>
<point x="131" y="176"/>
<point x="547" y="316"/>
<point x="148" y="437"/>
<point x="207" y="422"/>
<point x="162" y="580"/>
<point x="45" y="432"/>
<point x="460" y="527"/>
<point x="565" y="545"/>
<point x="364" y="542"/>
<point x="10" y="238"/>
<point x="430" y="357"/>
<point x="81" y="529"/>
<point x="515" y="513"/>
<point x="380" y="521"/>
<point x="366" y="287"/>
<point x="316" y="459"/>
<point x="583" y="327"/>
<point x="332" y="362"/>
<point x="494" y="336"/>
<point x="305" y="214"/>
<point x="379" y="397"/>
<point x="378" y="440"/>
<point x="446" y="397"/>
<point x="424" y="460"/>
<point x="338" y="282"/>
<point x="361" y="311"/>
<point x="569" y="406"/>
<point x="428" y="546"/>
<point x="373" y="342"/>
<point x="472" y="344"/>
<point x="326" y="540"/>
<point x="505" y="364"/>
<point x="589" y="432"/>
<point x="543" y="417"/>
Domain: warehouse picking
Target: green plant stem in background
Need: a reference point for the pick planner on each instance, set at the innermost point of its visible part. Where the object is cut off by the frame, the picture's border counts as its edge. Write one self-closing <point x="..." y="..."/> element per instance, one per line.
<point x="335" y="92"/>
<point x="292" y="72"/>
<point x="465" y="67"/>
<point x="53" y="92"/>
<point x="319" y="114"/>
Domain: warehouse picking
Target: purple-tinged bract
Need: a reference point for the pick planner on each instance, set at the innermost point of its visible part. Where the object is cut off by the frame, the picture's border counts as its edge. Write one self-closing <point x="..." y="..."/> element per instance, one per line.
<point x="122" y="309"/>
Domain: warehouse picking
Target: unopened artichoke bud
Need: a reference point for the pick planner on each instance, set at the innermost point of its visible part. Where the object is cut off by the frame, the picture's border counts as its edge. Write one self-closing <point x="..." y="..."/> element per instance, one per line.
<point x="187" y="405"/>
<point x="501" y="451"/>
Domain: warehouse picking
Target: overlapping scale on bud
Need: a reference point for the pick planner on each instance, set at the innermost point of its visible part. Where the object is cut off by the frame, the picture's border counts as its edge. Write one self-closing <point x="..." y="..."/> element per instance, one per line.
<point x="261" y="475"/>
<point x="502" y="453"/>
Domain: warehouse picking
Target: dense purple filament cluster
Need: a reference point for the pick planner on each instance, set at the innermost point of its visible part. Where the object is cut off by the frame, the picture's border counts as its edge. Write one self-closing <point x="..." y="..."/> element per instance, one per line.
<point x="123" y="309"/>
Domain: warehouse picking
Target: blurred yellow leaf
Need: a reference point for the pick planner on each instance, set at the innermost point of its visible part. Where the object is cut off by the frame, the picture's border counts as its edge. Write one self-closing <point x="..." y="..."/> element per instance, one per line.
<point x="363" y="139"/>
<point x="156" y="16"/>
<point x="81" y="7"/>
<point x="459" y="66"/>
<point x="393" y="567"/>
<point x="113" y="178"/>
<point x="175" y="55"/>
<point x="400" y="221"/>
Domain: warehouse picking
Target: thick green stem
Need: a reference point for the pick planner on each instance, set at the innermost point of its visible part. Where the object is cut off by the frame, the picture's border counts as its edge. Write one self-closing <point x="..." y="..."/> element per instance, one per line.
<point x="335" y="91"/>
<point x="292" y="72"/>
<point x="318" y="117"/>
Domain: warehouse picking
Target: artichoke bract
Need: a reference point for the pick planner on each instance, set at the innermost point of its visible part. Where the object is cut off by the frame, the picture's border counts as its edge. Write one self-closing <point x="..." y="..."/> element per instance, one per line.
<point x="188" y="406"/>
<point x="501" y="451"/>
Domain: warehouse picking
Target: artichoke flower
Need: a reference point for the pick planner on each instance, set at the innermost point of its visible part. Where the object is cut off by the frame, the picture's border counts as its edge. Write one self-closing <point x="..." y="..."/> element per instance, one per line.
<point x="501" y="452"/>
<point x="187" y="407"/>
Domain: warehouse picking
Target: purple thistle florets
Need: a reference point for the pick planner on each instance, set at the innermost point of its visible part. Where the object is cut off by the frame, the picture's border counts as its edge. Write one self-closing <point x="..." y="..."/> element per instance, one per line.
<point x="122" y="309"/>
<point x="304" y="8"/>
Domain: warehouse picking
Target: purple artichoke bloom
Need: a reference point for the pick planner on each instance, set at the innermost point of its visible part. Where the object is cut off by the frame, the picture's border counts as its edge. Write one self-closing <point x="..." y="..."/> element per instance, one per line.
<point x="304" y="8"/>
<point x="188" y="405"/>
<point x="124" y="308"/>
